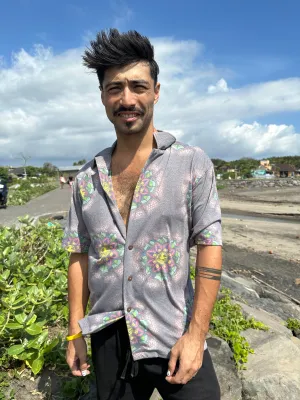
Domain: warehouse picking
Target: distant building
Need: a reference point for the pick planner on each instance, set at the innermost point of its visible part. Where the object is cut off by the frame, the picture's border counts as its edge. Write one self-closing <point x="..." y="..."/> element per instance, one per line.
<point x="266" y="164"/>
<point x="259" y="173"/>
<point x="284" y="170"/>
<point x="70" y="171"/>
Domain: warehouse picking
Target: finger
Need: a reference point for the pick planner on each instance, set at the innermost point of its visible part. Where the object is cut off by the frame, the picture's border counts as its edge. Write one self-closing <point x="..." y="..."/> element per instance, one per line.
<point x="180" y="377"/>
<point x="172" y="363"/>
<point x="75" y="367"/>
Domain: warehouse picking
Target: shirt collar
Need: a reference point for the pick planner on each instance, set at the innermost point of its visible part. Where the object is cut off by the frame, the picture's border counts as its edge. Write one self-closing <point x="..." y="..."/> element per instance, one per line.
<point x="163" y="139"/>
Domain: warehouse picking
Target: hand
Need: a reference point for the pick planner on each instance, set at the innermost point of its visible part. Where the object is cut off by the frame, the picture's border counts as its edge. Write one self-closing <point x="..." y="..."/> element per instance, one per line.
<point x="77" y="357"/>
<point x="188" y="351"/>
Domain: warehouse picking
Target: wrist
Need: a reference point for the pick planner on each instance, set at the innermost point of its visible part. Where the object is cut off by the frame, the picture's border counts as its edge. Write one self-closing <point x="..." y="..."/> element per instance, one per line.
<point x="197" y="331"/>
<point x="73" y="329"/>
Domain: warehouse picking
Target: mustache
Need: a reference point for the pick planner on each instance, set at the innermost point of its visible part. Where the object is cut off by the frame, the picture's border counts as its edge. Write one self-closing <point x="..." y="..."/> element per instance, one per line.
<point x="128" y="109"/>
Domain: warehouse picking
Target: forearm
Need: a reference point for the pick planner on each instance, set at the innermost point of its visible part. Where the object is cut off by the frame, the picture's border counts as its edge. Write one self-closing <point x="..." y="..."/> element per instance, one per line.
<point x="78" y="292"/>
<point x="207" y="283"/>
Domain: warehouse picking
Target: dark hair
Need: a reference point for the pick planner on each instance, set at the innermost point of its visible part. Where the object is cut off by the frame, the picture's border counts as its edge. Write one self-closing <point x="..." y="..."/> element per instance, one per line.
<point x="115" y="49"/>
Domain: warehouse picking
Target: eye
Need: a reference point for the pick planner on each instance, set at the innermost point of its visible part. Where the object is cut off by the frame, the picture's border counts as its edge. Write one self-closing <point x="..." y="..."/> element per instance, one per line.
<point x="140" y="87"/>
<point x="114" y="89"/>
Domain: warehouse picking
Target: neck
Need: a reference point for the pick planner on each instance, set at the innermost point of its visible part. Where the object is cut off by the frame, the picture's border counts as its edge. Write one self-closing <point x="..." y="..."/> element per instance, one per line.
<point x="135" y="144"/>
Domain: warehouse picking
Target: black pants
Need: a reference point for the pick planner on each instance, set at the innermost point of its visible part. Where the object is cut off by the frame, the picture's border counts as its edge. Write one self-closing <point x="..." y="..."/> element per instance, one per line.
<point x="119" y="377"/>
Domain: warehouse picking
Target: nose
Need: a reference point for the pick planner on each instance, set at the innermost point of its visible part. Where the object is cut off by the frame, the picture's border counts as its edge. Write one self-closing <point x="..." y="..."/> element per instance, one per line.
<point x="128" y="98"/>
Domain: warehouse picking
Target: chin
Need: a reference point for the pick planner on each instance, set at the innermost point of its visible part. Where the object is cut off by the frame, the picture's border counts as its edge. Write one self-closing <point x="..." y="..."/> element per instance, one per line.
<point x="130" y="129"/>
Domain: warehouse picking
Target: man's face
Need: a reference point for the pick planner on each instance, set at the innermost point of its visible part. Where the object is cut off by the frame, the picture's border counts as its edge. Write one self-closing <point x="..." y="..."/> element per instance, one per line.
<point x="129" y="96"/>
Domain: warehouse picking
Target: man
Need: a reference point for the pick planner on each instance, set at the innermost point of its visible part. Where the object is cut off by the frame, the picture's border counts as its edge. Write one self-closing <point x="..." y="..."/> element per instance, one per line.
<point x="137" y="209"/>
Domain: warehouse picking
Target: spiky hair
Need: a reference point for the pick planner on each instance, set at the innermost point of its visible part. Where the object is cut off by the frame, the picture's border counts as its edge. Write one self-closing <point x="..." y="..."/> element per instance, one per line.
<point x="115" y="49"/>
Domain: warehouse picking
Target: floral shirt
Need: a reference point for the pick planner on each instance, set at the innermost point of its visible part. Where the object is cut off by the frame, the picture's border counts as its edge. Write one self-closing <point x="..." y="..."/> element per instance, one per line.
<point x="142" y="273"/>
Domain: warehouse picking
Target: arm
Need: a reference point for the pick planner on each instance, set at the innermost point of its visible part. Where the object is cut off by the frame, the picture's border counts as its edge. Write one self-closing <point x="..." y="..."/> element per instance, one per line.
<point x="207" y="283"/>
<point x="78" y="292"/>
<point x="190" y="347"/>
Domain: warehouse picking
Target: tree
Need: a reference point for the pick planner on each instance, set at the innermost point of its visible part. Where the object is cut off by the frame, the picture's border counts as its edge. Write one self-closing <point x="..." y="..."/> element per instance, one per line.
<point x="49" y="169"/>
<point x="80" y="162"/>
<point x="33" y="171"/>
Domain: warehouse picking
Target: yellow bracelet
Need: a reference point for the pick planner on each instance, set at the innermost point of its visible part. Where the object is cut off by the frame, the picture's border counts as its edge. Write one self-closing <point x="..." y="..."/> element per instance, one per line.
<point x="73" y="337"/>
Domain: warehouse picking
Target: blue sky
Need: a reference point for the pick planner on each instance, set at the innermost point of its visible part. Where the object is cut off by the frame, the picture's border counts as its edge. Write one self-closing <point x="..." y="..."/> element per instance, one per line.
<point x="248" y="42"/>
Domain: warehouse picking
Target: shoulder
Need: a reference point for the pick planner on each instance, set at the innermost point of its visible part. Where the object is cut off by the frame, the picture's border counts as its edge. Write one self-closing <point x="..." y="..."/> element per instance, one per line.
<point x="195" y="154"/>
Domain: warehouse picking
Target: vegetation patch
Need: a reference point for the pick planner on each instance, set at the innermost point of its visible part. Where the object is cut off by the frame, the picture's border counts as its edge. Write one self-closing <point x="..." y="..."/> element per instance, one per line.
<point x="28" y="190"/>
<point x="294" y="325"/>
<point x="228" y="321"/>
<point x="34" y="312"/>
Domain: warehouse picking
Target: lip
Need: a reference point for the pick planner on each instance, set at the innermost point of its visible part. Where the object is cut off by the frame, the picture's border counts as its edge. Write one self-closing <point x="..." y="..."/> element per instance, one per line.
<point x="127" y="118"/>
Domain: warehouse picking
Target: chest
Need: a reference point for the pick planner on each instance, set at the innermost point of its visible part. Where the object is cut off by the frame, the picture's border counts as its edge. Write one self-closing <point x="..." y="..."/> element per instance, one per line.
<point x="124" y="184"/>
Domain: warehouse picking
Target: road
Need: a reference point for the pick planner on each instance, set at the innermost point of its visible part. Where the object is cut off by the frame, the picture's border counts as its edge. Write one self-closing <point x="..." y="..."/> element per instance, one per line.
<point x="55" y="201"/>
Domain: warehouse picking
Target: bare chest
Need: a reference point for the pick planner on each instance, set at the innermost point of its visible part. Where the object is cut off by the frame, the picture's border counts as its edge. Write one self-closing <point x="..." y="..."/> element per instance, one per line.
<point x="124" y="184"/>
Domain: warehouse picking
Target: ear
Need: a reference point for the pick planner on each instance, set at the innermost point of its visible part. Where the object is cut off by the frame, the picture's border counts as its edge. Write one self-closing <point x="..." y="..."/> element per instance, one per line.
<point x="102" y="96"/>
<point x="156" y="92"/>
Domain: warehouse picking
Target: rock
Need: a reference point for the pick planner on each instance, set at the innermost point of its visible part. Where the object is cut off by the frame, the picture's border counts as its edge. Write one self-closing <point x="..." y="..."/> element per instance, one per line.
<point x="273" y="372"/>
<point x="275" y="324"/>
<point x="240" y="286"/>
<point x="230" y="384"/>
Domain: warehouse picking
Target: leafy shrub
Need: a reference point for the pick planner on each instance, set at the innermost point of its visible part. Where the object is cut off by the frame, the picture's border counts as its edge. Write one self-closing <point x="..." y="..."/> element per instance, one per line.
<point x="26" y="192"/>
<point x="33" y="285"/>
<point x="293" y="324"/>
<point x="228" y="322"/>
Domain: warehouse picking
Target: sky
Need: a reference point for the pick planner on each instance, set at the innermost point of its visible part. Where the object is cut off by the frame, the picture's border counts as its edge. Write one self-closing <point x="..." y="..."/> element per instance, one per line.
<point x="229" y="74"/>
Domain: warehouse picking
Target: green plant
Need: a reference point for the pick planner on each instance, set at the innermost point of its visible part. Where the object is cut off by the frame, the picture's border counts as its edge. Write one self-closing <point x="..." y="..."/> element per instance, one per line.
<point x="228" y="322"/>
<point x="28" y="190"/>
<point x="33" y="282"/>
<point x="293" y="324"/>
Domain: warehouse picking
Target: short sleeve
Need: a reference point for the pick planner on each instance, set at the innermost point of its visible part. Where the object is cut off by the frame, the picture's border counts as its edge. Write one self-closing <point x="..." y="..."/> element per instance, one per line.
<point x="206" y="211"/>
<point x="76" y="237"/>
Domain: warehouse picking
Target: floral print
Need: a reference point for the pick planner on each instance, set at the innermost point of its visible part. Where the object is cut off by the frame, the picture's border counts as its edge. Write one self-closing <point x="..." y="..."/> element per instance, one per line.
<point x="86" y="188"/>
<point x="145" y="186"/>
<point x="137" y="330"/>
<point x="106" y="182"/>
<point x="207" y="237"/>
<point x="75" y="243"/>
<point x="110" y="251"/>
<point x="177" y="146"/>
<point x="111" y="317"/>
<point x="160" y="258"/>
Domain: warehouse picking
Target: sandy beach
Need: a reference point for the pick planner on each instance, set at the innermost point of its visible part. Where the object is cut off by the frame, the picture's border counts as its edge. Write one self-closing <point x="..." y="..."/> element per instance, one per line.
<point x="261" y="235"/>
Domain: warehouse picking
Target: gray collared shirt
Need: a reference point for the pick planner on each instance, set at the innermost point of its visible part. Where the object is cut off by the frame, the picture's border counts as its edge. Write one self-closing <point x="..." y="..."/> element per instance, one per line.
<point x="142" y="274"/>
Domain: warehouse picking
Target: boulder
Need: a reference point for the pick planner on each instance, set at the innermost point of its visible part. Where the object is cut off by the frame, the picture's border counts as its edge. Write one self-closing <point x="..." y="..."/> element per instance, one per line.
<point x="243" y="287"/>
<point x="275" y="324"/>
<point x="273" y="372"/>
<point x="230" y="384"/>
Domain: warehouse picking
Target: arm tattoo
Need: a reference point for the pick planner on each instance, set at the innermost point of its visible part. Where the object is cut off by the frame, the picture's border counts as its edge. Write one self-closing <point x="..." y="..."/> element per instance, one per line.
<point x="208" y="273"/>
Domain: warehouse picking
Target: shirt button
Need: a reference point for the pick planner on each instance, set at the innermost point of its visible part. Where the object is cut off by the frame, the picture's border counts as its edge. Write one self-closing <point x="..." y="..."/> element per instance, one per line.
<point x="130" y="278"/>
<point x="128" y="309"/>
<point x="130" y="247"/>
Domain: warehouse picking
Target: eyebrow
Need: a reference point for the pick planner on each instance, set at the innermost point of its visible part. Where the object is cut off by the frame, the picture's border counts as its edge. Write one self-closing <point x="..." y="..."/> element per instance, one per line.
<point x="134" y="81"/>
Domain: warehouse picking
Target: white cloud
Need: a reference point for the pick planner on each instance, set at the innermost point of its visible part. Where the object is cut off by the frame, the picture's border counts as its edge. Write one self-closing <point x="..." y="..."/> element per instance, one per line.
<point x="50" y="107"/>
<point x="221" y="86"/>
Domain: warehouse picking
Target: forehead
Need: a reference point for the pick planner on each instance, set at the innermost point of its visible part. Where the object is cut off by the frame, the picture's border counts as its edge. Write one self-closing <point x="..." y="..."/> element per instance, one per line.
<point x="136" y="71"/>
